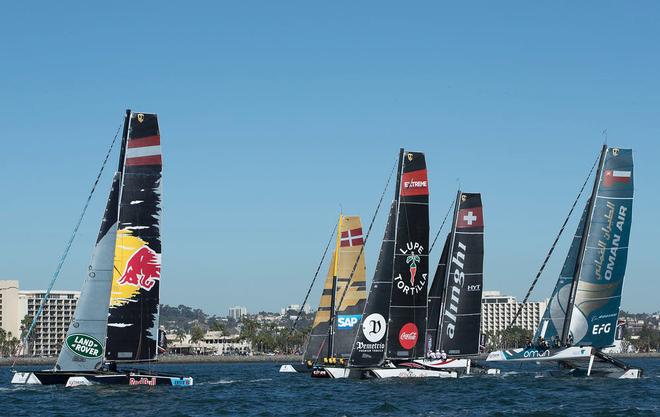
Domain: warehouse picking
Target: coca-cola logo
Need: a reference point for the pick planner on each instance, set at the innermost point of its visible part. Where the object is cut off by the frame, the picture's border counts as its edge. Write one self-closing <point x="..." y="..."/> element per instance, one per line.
<point x="408" y="336"/>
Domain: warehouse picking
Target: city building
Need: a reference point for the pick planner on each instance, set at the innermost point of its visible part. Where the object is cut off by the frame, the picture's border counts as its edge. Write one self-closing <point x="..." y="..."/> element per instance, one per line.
<point x="295" y="307"/>
<point x="237" y="312"/>
<point x="498" y="310"/>
<point x="10" y="321"/>
<point x="213" y="343"/>
<point x="52" y="325"/>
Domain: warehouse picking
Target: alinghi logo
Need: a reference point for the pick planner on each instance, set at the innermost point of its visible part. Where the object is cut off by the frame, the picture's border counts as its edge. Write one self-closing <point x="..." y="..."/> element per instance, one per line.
<point x="458" y="282"/>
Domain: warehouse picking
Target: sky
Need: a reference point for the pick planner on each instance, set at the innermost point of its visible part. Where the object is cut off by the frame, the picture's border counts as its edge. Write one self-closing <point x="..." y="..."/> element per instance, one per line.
<point x="275" y="116"/>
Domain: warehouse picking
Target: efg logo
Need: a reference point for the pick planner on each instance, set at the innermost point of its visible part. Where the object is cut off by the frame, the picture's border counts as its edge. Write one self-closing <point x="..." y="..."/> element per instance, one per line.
<point x="475" y="287"/>
<point x="348" y="321"/>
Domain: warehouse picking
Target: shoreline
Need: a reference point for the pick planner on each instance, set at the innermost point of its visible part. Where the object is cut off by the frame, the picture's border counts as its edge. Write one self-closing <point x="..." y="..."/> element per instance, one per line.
<point x="252" y="359"/>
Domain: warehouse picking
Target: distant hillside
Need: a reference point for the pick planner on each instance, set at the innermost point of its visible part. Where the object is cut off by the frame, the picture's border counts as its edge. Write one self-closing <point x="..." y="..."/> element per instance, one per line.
<point x="181" y="317"/>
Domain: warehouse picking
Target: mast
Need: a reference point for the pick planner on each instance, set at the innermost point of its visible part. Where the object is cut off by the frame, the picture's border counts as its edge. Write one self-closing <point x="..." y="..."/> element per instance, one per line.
<point x="333" y="297"/>
<point x="124" y="139"/>
<point x="583" y="245"/>
<point x="446" y="277"/>
<point x="369" y="344"/>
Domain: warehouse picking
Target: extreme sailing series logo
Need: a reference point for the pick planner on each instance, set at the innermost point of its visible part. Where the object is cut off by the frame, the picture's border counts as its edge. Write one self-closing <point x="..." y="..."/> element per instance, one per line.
<point x="413" y="284"/>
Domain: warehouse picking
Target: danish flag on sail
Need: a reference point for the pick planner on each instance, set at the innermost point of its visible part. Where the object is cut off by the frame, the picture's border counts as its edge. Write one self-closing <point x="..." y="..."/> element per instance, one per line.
<point x="351" y="237"/>
<point x="612" y="177"/>
<point x="143" y="151"/>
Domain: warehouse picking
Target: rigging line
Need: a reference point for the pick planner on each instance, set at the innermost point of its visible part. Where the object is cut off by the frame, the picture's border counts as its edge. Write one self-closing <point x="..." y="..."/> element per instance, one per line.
<point x="364" y="243"/>
<point x="316" y="274"/>
<point x="451" y="206"/>
<point x="67" y="248"/>
<point x="554" y="244"/>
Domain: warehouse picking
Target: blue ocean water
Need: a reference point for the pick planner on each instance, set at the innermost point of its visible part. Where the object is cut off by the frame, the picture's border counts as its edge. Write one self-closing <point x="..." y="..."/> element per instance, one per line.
<point x="257" y="389"/>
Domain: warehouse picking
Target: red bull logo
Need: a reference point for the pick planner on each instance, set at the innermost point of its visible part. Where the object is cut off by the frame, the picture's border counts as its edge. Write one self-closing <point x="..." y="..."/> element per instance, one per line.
<point x="142" y="269"/>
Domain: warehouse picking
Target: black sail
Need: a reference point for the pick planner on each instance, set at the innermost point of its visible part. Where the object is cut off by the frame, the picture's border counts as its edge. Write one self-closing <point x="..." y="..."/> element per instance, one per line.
<point x="407" y="319"/>
<point x="134" y="300"/>
<point x="461" y="315"/>
<point x="436" y="292"/>
<point x="369" y="346"/>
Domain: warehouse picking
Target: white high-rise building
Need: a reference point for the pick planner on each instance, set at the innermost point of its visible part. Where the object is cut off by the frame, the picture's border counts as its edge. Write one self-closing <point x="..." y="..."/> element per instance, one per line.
<point x="52" y="325"/>
<point x="498" y="310"/>
<point x="237" y="312"/>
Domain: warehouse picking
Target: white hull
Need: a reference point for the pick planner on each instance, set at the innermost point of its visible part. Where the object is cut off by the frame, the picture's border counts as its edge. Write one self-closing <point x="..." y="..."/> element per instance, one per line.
<point x="337" y="373"/>
<point x="287" y="369"/>
<point x="411" y="373"/>
<point x="27" y="378"/>
<point x="446" y="364"/>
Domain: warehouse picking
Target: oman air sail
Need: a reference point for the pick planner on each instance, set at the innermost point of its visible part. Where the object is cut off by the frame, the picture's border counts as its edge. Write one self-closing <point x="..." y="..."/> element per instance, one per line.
<point x="116" y="318"/>
<point x="582" y="313"/>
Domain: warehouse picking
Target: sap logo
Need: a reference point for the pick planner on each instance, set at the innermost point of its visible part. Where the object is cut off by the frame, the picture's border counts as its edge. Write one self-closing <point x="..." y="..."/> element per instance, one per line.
<point x="601" y="328"/>
<point x="476" y="287"/>
<point x="347" y="322"/>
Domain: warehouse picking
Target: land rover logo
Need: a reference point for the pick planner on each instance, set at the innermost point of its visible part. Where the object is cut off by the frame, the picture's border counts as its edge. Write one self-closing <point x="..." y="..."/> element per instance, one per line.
<point x="84" y="345"/>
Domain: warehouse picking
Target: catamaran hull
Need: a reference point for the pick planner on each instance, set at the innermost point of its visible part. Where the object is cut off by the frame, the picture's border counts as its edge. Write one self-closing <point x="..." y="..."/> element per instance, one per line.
<point x="573" y="361"/>
<point x="540" y="355"/>
<point x="462" y="366"/>
<point x="92" y="378"/>
<point x="401" y="372"/>
<point x="300" y="368"/>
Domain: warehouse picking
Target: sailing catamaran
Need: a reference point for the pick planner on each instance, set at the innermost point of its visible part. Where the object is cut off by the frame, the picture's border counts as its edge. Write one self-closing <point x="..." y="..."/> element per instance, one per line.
<point x="342" y="301"/>
<point x="454" y="302"/>
<point x="581" y="318"/>
<point x="116" y="318"/>
<point x="388" y="342"/>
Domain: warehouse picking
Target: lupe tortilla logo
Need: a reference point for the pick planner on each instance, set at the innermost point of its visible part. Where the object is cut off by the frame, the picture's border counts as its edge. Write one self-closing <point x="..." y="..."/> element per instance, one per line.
<point x="84" y="345"/>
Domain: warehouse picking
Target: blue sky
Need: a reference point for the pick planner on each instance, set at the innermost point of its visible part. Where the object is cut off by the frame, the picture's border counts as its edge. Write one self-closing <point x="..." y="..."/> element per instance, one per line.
<point x="273" y="114"/>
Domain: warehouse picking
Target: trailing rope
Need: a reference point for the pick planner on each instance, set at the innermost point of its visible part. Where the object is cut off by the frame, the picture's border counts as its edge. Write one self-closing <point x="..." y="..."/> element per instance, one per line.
<point x="65" y="254"/>
<point x="552" y="248"/>
<point x="451" y="206"/>
<point x="316" y="274"/>
<point x="366" y="238"/>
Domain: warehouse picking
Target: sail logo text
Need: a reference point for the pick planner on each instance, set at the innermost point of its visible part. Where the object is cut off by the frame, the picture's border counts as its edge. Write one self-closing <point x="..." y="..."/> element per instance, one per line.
<point x="142" y="381"/>
<point x="84" y="345"/>
<point x="601" y="328"/>
<point x="347" y="322"/>
<point x="458" y="282"/>
<point x="413" y="252"/>
<point x="614" y="240"/>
